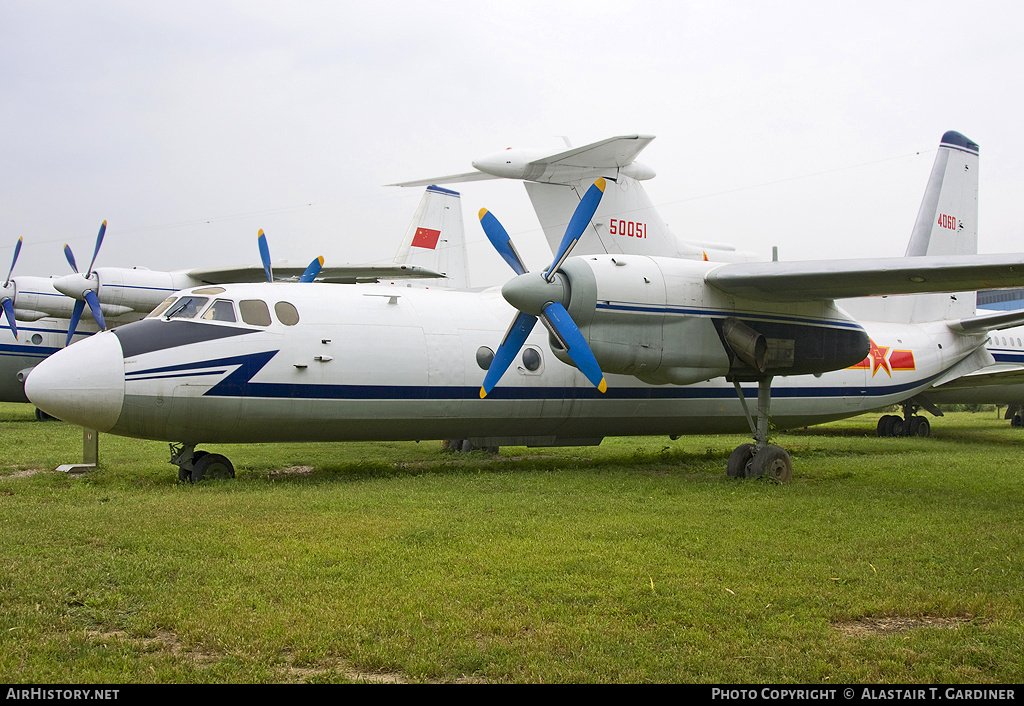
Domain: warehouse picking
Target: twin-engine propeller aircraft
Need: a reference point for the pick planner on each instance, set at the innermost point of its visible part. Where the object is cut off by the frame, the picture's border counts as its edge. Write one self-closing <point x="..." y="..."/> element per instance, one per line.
<point x="639" y="345"/>
<point x="44" y="314"/>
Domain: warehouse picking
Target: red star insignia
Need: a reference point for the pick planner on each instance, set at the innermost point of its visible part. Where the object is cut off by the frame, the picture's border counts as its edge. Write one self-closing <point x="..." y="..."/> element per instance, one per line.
<point x="877" y="355"/>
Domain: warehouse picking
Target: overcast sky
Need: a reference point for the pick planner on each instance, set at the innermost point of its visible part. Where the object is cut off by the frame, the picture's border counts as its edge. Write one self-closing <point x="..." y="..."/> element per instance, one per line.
<point x="189" y="126"/>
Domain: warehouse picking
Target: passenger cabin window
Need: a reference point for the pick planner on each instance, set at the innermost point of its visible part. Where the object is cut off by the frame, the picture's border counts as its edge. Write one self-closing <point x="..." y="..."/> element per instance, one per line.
<point x="287" y="314"/>
<point x="186" y="308"/>
<point x="255" y="312"/>
<point x="220" y="310"/>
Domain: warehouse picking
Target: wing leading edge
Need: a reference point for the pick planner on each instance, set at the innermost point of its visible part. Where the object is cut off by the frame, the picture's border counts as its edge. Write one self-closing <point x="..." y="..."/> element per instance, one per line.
<point x="844" y="279"/>
<point x="339" y="274"/>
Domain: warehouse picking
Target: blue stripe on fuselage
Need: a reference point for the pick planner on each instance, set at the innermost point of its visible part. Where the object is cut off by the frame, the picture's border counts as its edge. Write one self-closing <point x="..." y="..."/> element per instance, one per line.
<point x="239" y="384"/>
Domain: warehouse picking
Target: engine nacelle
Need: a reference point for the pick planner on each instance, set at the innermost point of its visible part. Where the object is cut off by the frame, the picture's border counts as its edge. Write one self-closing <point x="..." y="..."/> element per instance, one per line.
<point x="139" y="290"/>
<point x="657" y="319"/>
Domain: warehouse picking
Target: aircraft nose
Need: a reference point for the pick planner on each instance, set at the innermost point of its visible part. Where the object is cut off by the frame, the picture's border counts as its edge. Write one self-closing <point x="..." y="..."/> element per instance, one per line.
<point x="82" y="384"/>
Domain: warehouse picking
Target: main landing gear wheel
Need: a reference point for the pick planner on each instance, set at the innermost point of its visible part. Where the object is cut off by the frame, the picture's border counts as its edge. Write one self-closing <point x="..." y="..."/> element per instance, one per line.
<point x="739" y="461"/>
<point x="759" y="459"/>
<point x="894" y="425"/>
<point x="773" y="463"/>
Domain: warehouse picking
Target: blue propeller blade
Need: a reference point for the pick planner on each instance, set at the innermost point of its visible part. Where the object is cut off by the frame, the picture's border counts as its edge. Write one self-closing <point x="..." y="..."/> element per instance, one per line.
<point x="499" y="239"/>
<point x="76" y="314"/>
<point x="265" y="255"/>
<point x="70" y="257"/>
<point x="9" y="311"/>
<point x="515" y="337"/>
<point x="313" y="270"/>
<point x="94" y="306"/>
<point x="577" y="224"/>
<point x="575" y="345"/>
<point x="17" y="249"/>
<point x="554" y="314"/>
<point x="96" y="250"/>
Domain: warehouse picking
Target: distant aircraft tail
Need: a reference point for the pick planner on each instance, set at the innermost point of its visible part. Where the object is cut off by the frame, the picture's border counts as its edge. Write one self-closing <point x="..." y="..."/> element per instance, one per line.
<point x="947" y="224"/>
<point x="436" y="240"/>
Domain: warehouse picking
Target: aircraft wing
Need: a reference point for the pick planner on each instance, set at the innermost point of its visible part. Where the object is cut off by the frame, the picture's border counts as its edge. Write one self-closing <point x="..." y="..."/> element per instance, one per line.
<point x="339" y="274"/>
<point x="613" y="152"/>
<point x="844" y="279"/>
<point x="451" y="179"/>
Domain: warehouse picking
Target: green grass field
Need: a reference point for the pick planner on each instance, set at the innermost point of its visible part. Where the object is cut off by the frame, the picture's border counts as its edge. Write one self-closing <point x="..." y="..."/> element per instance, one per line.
<point x="885" y="560"/>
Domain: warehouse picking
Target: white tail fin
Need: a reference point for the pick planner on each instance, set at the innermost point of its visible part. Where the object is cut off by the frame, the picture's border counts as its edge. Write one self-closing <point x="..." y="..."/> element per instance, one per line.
<point x="436" y="240"/>
<point x="947" y="224"/>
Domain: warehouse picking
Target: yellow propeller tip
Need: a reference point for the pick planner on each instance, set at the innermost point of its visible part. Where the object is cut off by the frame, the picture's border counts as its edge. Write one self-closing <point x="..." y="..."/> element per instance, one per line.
<point x="321" y="260"/>
<point x="603" y="387"/>
<point x="600" y="183"/>
<point x="483" y="393"/>
<point x="483" y="212"/>
<point x="104" y="222"/>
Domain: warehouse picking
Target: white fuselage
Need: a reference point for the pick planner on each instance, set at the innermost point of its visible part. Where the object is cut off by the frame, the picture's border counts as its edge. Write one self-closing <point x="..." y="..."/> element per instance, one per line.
<point x="378" y="362"/>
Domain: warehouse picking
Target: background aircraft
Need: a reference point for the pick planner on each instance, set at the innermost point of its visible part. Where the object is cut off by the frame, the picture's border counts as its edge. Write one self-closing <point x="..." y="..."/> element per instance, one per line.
<point x="42" y="315"/>
<point x="680" y="343"/>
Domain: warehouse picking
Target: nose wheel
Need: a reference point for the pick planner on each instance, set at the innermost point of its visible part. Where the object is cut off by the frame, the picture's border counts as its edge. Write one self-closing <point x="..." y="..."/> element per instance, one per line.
<point x="194" y="466"/>
<point x="759" y="459"/>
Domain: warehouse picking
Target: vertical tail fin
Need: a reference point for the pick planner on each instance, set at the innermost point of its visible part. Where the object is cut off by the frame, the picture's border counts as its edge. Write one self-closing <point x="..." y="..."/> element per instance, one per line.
<point x="436" y="239"/>
<point x="947" y="224"/>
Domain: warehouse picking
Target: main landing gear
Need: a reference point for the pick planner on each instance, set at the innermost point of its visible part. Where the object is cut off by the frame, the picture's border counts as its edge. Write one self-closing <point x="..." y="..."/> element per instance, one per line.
<point x="910" y="424"/>
<point x="194" y="466"/>
<point x="760" y="458"/>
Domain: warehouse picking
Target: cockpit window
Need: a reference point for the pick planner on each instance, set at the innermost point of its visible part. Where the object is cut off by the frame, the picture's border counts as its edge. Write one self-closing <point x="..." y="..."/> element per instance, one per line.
<point x="161" y="308"/>
<point x="287" y="314"/>
<point x="186" y="307"/>
<point x="220" y="310"/>
<point x="255" y="312"/>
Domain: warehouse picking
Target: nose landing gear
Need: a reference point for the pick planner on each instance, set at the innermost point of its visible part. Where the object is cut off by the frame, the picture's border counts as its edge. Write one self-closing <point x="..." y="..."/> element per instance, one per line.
<point x="194" y="466"/>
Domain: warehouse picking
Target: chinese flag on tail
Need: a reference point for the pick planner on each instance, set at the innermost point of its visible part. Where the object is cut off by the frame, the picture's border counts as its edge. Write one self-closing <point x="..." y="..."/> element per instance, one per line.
<point x="426" y="238"/>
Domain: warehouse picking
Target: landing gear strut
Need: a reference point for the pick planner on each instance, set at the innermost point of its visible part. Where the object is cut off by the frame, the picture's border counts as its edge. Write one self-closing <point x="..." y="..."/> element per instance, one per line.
<point x="910" y="424"/>
<point x="194" y="466"/>
<point x="760" y="458"/>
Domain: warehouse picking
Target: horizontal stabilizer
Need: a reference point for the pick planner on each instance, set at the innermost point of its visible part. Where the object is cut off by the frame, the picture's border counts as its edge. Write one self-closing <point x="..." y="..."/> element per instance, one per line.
<point x="339" y="274"/>
<point x="840" y="279"/>
<point x="988" y="376"/>
<point x="989" y="322"/>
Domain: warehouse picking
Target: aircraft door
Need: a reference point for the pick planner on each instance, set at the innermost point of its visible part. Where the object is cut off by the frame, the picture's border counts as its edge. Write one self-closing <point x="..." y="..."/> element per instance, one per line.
<point x="445" y="373"/>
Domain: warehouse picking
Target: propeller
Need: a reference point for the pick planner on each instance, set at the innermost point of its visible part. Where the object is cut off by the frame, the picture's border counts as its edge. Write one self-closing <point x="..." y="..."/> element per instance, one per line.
<point x="308" y="276"/>
<point x="539" y="295"/>
<point x="89" y="294"/>
<point x="8" y="300"/>
<point x="261" y="240"/>
<point x="313" y="270"/>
